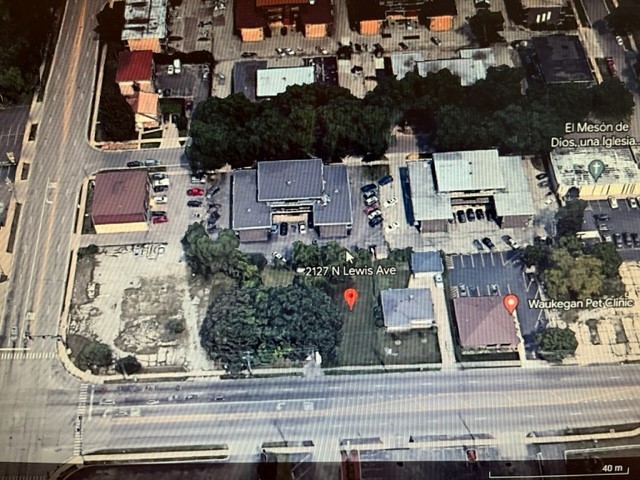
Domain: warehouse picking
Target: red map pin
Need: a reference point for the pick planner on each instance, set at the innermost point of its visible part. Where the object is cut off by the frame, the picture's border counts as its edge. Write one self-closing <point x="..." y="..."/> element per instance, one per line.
<point x="350" y="296"/>
<point x="510" y="302"/>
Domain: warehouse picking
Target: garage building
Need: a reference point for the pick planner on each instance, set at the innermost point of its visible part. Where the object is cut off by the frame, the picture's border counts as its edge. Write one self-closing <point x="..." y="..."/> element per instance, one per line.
<point x="121" y="202"/>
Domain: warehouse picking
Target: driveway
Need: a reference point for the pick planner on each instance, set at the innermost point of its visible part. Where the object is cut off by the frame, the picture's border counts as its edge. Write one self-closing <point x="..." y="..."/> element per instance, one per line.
<point x="498" y="273"/>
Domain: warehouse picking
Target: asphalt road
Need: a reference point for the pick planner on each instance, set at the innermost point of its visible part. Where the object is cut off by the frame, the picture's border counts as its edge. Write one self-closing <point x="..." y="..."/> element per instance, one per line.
<point x="506" y="404"/>
<point x="41" y="402"/>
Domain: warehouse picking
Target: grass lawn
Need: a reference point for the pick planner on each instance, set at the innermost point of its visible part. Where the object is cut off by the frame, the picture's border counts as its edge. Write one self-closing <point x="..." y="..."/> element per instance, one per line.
<point x="171" y="105"/>
<point x="272" y="277"/>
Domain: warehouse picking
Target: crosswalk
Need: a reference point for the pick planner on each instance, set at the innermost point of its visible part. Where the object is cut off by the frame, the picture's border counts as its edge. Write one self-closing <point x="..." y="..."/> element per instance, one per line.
<point x="80" y="416"/>
<point x="27" y="355"/>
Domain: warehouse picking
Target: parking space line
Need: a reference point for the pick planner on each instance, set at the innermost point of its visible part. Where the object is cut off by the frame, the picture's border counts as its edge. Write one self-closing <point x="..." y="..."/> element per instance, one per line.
<point x="462" y="261"/>
<point x="482" y="259"/>
<point x="493" y="264"/>
<point x="509" y="288"/>
<point x="471" y="259"/>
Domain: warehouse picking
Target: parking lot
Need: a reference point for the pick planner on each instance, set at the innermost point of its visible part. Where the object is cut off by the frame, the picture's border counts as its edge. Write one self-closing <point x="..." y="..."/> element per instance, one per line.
<point x="623" y="219"/>
<point x="497" y="273"/>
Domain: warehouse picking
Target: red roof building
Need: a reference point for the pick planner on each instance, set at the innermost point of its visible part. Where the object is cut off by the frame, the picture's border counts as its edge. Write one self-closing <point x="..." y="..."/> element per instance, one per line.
<point x="135" y="68"/>
<point x="484" y="323"/>
<point x="120" y="201"/>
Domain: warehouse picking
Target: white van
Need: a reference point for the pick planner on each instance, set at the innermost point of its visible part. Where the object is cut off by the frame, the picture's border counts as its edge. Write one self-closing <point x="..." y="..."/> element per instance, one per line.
<point x="177" y="66"/>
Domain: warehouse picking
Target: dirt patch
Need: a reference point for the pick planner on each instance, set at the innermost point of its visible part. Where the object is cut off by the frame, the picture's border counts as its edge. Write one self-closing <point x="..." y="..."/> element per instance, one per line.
<point x="146" y="312"/>
<point x="84" y="277"/>
<point x="76" y="343"/>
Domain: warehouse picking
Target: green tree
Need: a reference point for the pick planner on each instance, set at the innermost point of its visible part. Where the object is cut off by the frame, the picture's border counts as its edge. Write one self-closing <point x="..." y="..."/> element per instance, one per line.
<point x="116" y="116"/>
<point x="538" y="255"/>
<point x="570" y="217"/>
<point x="93" y="355"/>
<point x="612" y="101"/>
<point x="128" y="365"/>
<point x="175" y="326"/>
<point x="207" y="257"/>
<point x="501" y="87"/>
<point x="607" y="253"/>
<point x="573" y="277"/>
<point x="557" y="341"/>
<point x="270" y="323"/>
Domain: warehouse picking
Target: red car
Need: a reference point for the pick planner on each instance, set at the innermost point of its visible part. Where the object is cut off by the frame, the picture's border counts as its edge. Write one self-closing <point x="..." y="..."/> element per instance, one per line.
<point x="195" y="192"/>
<point x="160" y="219"/>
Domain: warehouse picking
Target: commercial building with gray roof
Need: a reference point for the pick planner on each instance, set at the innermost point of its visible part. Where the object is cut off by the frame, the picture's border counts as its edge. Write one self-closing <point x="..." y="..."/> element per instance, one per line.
<point x="407" y="308"/>
<point x="291" y="191"/>
<point x="561" y="59"/>
<point x="469" y="179"/>
<point x="426" y="263"/>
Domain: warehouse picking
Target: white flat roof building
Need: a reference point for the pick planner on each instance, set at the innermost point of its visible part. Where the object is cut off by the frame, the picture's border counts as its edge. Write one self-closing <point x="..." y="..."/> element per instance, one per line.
<point x="273" y="81"/>
<point x="620" y="178"/>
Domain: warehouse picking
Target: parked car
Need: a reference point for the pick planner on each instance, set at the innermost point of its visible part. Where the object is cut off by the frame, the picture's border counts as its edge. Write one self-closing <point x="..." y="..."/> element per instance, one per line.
<point x="613" y="202"/>
<point x="160" y="188"/>
<point x="633" y="203"/>
<point x="302" y="228"/>
<point x="211" y="192"/>
<point x="194" y="203"/>
<point x="511" y="242"/>
<point x="170" y="70"/>
<point x="368" y="187"/>
<point x="284" y="228"/>
<point x="280" y="52"/>
<point x="541" y="176"/>
<point x="198" y="179"/>
<point x="436" y="41"/>
<point x="462" y="290"/>
<point x="479" y="214"/>
<point x="636" y="240"/>
<point x="393" y="226"/>
<point x="543" y="184"/>
<point x="627" y="239"/>
<point x="158" y="213"/>
<point x="386" y="180"/>
<point x="289" y="51"/>
<point x="491" y="215"/>
<point x="470" y="215"/>
<point x="607" y="237"/>
<point x="278" y="256"/>
<point x="160" y="219"/>
<point x="375" y="221"/>
<point x="135" y="164"/>
<point x="195" y="192"/>
<point x="151" y="162"/>
<point x="159" y="199"/>
<point x="274" y="228"/>
<point x="390" y="202"/>
<point x="158" y="176"/>
<point x="603" y="217"/>
<point x="249" y="54"/>
<point x="461" y="217"/>
<point x="369" y="194"/>
<point x="370" y="209"/>
<point x="619" y="40"/>
<point x="603" y="227"/>
<point x="403" y="46"/>
<point x="477" y="244"/>
<point x="371" y="200"/>
<point x="487" y="241"/>
<point x="374" y="214"/>
<point x="617" y="238"/>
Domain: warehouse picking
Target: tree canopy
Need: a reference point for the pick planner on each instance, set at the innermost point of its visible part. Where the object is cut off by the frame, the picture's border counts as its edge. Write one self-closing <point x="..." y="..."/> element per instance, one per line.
<point x="557" y="341"/>
<point x="24" y="29"/>
<point x="570" y="217"/>
<point x="271" y="324"/>
<point x="93" y="355"/>
<point x="128" y="365"/>
<point x="207" y="257"/>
